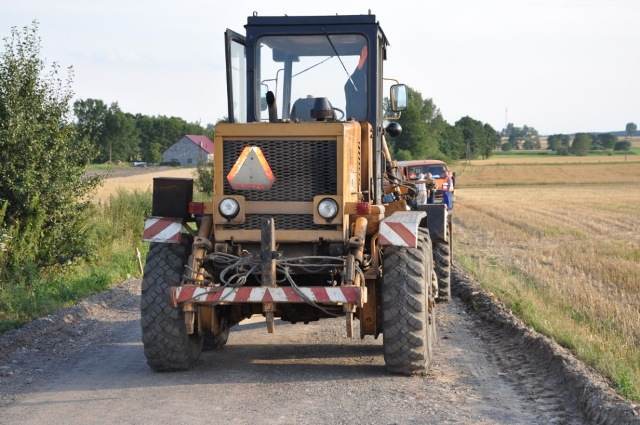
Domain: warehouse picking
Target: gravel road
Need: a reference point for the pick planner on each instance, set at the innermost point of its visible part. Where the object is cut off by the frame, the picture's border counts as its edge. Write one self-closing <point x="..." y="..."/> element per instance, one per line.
<point x="86" y="366"/>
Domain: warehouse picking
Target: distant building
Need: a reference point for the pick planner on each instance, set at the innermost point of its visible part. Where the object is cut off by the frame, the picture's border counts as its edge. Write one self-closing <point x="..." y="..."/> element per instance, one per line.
<point x="190" y="150"/>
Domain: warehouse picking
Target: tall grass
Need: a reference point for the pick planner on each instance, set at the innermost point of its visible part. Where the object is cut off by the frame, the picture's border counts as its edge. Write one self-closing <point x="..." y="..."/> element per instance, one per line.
<point x="115" y="232"/>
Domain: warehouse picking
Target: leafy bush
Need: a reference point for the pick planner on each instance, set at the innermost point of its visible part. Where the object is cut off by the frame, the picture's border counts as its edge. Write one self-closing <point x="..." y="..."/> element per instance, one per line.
<point x="622" y="145"/>
<point x="115" y="233"/>
<point x="204" y="179"/>
<point x="581" y="144"/>
<point x="42" y="184"/>
<point x="505" y="147"/>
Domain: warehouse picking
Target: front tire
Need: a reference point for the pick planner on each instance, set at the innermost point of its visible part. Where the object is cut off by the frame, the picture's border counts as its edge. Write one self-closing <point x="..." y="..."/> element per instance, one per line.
<point x="167" y="346"/>
<point x="408" y="308"/>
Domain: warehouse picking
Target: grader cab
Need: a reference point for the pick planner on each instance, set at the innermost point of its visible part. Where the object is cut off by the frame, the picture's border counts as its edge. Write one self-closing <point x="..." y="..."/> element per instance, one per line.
<point x="299" y="226"/>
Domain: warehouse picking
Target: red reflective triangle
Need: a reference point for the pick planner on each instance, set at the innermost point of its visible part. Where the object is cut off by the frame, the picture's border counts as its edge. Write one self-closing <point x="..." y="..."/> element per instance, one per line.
<point x="251" y="171"/>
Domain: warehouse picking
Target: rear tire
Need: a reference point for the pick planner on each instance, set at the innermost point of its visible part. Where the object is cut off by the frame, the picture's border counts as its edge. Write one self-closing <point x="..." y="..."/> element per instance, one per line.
<point x="442" y="255"/>
<point x="407" y="303"/>
<point x="167" y="346"/>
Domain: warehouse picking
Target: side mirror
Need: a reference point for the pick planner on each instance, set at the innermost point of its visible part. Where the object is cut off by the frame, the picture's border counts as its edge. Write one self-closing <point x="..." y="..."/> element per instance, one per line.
<point x="393" y="129"/>
<point x="398" y="97"/>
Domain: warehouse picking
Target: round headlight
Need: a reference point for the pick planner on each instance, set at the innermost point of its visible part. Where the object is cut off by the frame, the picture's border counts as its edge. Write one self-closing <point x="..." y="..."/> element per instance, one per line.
<point x="229" y="208"/>
<point x="328" y="208"/>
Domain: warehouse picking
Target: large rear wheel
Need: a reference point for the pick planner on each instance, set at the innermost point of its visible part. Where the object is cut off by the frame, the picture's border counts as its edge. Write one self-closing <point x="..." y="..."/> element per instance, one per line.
<point x="167" y="346"/>
<point x="442" y="256"/>
<point x="408" y="308"/>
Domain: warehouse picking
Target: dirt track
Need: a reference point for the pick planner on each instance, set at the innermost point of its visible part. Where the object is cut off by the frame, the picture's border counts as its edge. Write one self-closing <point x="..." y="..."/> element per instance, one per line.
<point x="91" y="369"/>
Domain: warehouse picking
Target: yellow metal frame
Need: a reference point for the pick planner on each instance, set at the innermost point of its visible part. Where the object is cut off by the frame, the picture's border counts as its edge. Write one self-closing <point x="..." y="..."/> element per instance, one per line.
<point x="349" y="177"/>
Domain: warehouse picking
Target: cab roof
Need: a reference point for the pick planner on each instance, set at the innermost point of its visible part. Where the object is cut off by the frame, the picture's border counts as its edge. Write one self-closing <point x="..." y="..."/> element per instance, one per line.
<point x="325" y="21"/>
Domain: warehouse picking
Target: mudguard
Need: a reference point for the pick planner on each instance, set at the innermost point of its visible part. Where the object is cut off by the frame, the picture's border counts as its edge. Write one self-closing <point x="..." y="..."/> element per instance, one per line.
<point x="163" y="230"/>
<point x="401" y="229"/>
<point x="436" y="220"/>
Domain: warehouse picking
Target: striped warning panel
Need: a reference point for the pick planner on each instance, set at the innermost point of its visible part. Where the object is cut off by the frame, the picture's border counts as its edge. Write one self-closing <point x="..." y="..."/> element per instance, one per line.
<point x="257" y="294"/>
<point x="401" y="229"/>
<point x="162" y="229"/>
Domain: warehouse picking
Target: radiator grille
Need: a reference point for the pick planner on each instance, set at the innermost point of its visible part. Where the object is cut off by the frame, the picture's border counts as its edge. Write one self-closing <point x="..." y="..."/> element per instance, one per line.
<point x="282" y="222"/>
<point x="302" y="168"/>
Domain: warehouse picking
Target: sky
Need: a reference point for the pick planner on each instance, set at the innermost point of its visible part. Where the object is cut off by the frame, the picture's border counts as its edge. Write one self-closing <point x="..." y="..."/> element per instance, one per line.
<point x="560" y="66"/>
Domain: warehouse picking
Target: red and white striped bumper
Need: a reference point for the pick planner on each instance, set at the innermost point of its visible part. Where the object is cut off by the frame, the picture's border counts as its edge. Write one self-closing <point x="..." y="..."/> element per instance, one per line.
<point x="401" y="229"/>
<point x="259" y="294"/>
<point x="162" y="229"/>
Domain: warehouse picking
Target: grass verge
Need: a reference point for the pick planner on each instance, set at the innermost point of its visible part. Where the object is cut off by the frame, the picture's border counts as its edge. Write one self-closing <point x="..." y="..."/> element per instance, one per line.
<point x="116" y="229"/>
<point x="594" y="341"/>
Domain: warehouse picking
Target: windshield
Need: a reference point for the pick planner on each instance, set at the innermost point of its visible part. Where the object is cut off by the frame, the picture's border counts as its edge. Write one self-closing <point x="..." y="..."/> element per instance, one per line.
<point x="437" y="171"/>
<point x="299" y="68"/>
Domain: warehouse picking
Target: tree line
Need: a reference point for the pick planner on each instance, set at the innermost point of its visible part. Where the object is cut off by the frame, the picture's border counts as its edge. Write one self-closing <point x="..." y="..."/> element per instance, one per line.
<point x="524" y="137"/>
<point x="426" y="134"/>
<point x="121" y="136"/>
<point x="583" y="143"/>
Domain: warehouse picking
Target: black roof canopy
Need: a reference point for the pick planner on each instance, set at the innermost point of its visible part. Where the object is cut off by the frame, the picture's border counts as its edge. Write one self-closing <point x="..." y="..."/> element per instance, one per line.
<point x="314" y="24"/>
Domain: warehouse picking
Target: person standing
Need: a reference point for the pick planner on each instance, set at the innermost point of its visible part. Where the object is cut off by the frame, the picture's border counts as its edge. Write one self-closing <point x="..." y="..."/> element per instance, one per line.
<point x="421" y="189"/>
<point x="447" y="191"/>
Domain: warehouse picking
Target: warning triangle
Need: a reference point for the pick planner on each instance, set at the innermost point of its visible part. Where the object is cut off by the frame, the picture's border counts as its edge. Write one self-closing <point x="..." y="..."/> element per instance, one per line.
<point x="251" y="171"/>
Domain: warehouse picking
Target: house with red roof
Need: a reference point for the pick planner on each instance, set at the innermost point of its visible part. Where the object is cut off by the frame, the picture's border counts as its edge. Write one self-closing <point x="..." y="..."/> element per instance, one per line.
<point x="190" y="150"/>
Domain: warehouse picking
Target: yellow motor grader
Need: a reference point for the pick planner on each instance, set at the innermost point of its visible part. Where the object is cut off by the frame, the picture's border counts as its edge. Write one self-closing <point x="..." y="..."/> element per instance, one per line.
<point x="300" y="226"/>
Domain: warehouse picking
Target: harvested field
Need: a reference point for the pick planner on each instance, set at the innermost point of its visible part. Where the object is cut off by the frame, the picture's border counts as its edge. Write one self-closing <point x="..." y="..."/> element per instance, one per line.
<point x="545" y="159"/>
<point x="140" y="182"/>
<point x="549" y="172"/>
<point x="564" y="257"/>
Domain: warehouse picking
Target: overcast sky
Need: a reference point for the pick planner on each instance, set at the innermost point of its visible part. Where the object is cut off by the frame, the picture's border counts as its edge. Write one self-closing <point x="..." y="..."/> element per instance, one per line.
<point x="558" y="65"/>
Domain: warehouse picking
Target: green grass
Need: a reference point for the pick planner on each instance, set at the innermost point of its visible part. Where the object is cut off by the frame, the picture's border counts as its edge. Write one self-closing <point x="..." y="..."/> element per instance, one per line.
<point x="116" y="233"/>
<point x="596" y="342"/>
<point x="107" y="166"/>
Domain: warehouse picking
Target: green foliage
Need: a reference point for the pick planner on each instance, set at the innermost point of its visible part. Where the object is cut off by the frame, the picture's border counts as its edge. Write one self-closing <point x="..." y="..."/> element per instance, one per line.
<point x="204" y="179"/>
<point x="581" y="144"/>
<point x="524" y="137"/>
<point x="42" y="161"/>
<point x="116" y="227"/>
<point x="420" y="122"/>
<point x="452" y="142"/>
<point x="603" y="141"/>
<point x="505" y="147"/>
<point x="120" y="136"/>
<point x="479" y="139"/>
<point x="622" y="145"/>
<point x="631" y="129"/>
<point x="557" y="141"/>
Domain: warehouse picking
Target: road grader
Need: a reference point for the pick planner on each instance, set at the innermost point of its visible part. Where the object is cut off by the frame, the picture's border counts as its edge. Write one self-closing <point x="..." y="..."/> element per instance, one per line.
<point x="308" y="218"/>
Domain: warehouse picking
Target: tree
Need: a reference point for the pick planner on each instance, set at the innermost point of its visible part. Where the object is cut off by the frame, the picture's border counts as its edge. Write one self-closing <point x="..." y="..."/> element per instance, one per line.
<point x="91" y="116"/>
<point x="42" y="162"/>
<point x="581" y="144"/>
<point x="553" y="142"/>
<point x="451" y="142"/>
<point x="528" y="145"/>
<point x="622" y="145"/>
<point x="604" y="141"/>
<point x="121" y="140"/>
<point x="479" y="139"/>
<point x="631" y="129"/>
<point x="421" y="124"/>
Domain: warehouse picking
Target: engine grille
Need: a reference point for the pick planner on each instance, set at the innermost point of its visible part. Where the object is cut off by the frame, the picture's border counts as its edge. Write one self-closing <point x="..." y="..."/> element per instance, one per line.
<point x="282" y="222"/>
<point x="302" y="168"/>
